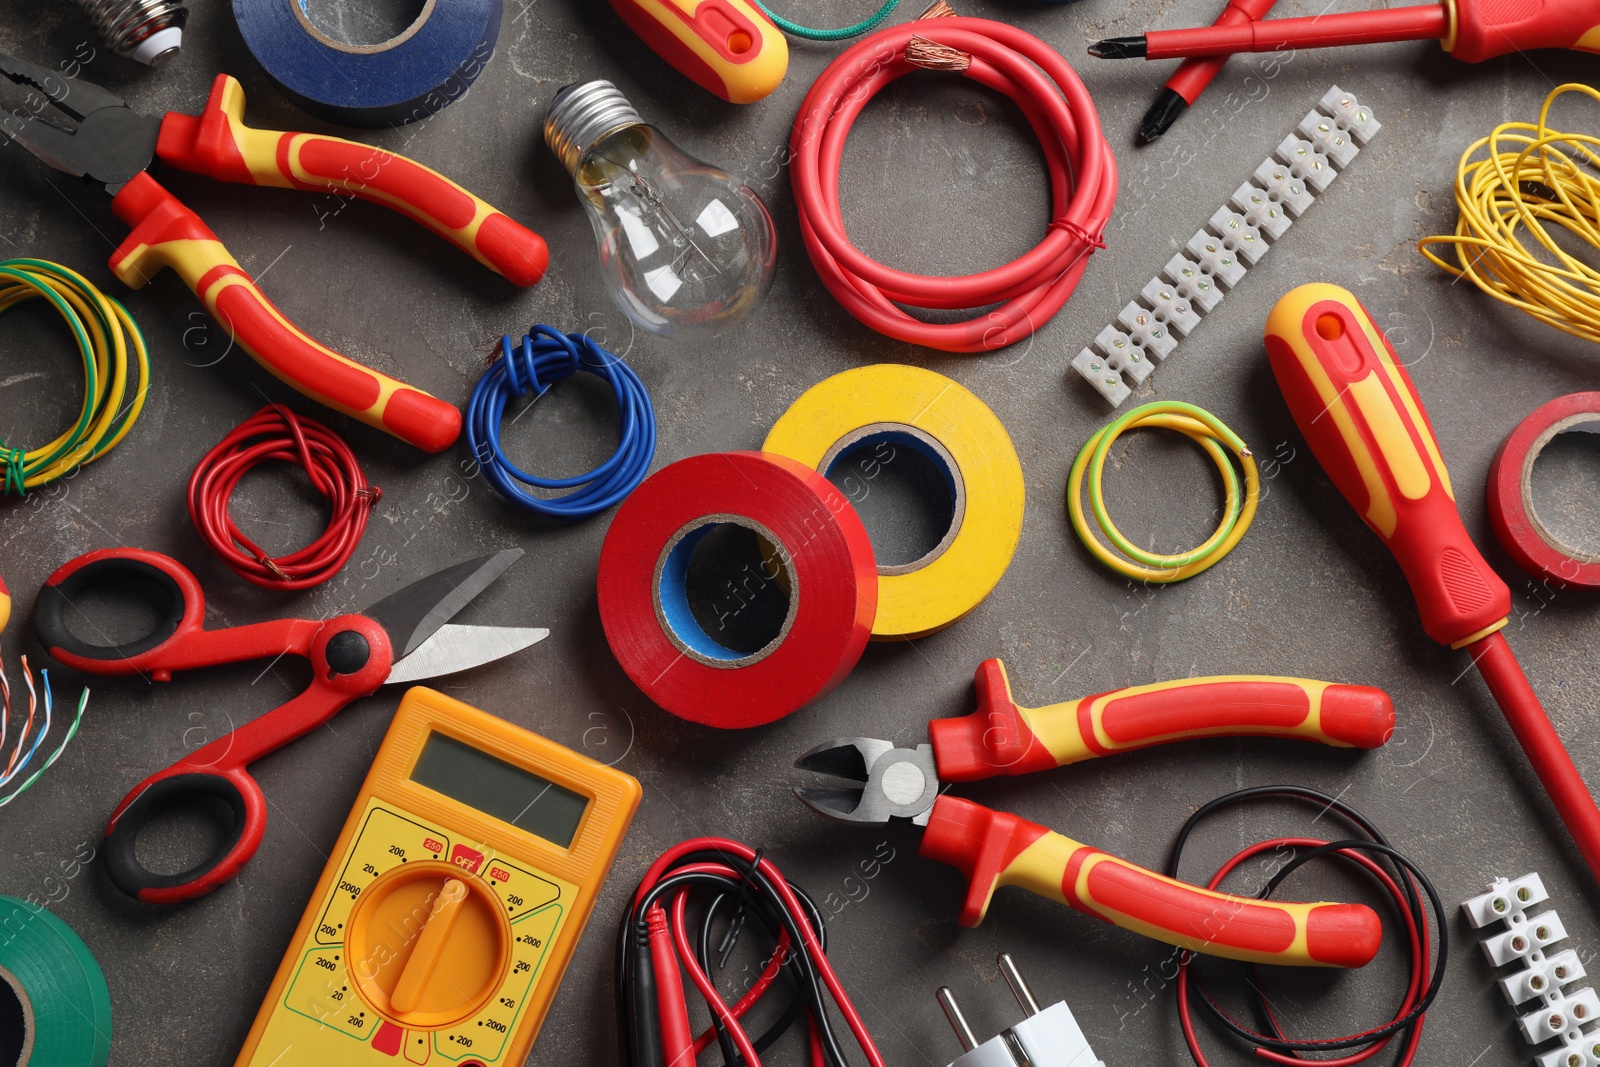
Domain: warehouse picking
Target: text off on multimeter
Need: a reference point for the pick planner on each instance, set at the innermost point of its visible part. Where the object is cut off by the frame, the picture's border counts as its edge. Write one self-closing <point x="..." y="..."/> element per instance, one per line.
<point x="443" y="923"/>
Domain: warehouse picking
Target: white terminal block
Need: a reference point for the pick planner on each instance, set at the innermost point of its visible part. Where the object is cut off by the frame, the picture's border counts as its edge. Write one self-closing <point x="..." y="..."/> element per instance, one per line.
<point x="1194" y="284"/>
<point x="1261" y="211"/>
<point x="1235" y="238"/>
<point x="1161" y="297"/>
<point x="1556" y="1015"/>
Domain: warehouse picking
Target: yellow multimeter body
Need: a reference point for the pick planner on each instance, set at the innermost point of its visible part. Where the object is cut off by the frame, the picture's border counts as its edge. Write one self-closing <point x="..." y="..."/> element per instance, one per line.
<point x="449" y="910"/>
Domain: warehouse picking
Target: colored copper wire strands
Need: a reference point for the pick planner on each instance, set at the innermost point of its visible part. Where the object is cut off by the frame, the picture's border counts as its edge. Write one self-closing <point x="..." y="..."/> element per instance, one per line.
<point x="1398" y="876"/>
<point x="28" y="743"/>
<point x="116" y="368"/>
<point x="655" y="941"/>
<point x="543" y="357"/>
<point x="1222" y="445"/>
<point x="866" y="25"/>
<point x="1083" y="182"/>
<point x="276" y="434"/>
<point x="1514" y="188"/>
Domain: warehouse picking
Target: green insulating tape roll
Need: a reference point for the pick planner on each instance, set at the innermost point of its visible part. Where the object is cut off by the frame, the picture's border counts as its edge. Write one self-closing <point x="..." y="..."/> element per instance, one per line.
<point x="48" y="972"/>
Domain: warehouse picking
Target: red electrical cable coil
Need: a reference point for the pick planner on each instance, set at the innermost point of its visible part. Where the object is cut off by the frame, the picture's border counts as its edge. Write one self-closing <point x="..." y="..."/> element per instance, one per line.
<point x="1083" y="182"/>
<point x="276" y="433"/>
<point x="1418" y="941"/>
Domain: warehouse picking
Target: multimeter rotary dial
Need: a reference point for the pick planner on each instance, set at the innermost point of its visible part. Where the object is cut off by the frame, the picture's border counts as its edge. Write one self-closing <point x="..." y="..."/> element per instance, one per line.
<point x="428" y="945"/>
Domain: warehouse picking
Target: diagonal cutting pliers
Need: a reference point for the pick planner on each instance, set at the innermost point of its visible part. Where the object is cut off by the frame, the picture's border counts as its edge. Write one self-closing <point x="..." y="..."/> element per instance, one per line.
<point x="114" y="146"/>
<point x="995" y="849"/>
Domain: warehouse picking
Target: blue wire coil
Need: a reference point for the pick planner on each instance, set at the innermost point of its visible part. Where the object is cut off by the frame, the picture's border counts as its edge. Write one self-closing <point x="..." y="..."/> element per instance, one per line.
<point x="546" y="356"/>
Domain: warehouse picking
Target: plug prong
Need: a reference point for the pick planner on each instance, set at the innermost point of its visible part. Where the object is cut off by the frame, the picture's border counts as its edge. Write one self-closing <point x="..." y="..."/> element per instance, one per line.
<point x="958" y="1022"/>
<point x="1019" y="987"/>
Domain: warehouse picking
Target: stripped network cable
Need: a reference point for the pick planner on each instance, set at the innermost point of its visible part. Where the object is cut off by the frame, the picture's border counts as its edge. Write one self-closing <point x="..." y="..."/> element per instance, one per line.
<point x="18" y="763"/>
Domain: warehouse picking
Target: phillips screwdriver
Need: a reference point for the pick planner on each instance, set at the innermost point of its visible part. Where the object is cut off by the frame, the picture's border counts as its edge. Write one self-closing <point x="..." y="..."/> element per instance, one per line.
<point x="1470" y="30"/>
<point x="1365" y="423"/>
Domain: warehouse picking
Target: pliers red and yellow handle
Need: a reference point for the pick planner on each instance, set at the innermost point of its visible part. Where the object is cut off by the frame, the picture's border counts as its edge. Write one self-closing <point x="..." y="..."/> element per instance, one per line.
<point x="1003" y="738"/>
<point x="219" y="145"/>
<point x="995" y="849"/>
<point x="114" y="146"/>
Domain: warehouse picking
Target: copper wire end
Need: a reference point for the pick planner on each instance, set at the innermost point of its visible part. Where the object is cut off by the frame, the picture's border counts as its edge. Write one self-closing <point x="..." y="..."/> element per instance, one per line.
<point x="921" y="52"/>
<point x="938" y="10"/>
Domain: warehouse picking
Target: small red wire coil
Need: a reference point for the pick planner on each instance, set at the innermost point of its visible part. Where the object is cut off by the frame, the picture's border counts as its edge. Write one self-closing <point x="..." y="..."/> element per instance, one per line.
<point x="276" y="434"/>
<point x="1083" y="182"/>
<point x="1418" y="944"/>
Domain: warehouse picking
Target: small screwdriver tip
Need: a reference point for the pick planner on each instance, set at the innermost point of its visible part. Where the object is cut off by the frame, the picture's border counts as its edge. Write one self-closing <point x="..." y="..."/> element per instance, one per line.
<point x="1162" y="114"/>
<point x="1119" y="48"/>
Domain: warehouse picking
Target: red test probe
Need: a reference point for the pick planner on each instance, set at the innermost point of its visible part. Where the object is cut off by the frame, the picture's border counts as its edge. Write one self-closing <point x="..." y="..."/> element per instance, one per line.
<point x="1364" y="421"/>
<point x="1195" y="74"/>
<point x="1470" y="30"/>
<point x="652" y="1011"/>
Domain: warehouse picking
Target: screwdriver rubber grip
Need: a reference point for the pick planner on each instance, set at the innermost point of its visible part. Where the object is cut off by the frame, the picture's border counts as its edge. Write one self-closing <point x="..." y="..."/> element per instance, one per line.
<point x="218" y="144"/>
<point x="995" y="849"/>
<point x="1365" y="423"/>
<point x="1001" y="738"/>
<point x="167" y="234"/>
<point x="1482" y="31"/>
<point x="727" y="47"/>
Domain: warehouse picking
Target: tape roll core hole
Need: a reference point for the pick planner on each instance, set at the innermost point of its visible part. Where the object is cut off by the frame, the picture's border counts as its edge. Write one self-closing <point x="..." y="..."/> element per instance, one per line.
<point x="181" y="836"/>
<point x="362" y="25"/>
<point x="16" y="1021"/>
<point x="1562" y="486"/>
<point x="726" y="592"/>
<point x="907" y="489"/>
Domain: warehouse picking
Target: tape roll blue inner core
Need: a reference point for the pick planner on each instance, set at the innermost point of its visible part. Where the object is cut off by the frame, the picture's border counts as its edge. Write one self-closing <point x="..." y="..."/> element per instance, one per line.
<point x="379" y="86"/>
<point x="674" y="598"/>
<point x="902" y="439"/>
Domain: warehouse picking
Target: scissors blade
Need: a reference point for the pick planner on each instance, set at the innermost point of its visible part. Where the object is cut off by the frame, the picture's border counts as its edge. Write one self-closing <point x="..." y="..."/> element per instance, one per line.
<point x="416" y="612"/>
<point x="458" y="648"/>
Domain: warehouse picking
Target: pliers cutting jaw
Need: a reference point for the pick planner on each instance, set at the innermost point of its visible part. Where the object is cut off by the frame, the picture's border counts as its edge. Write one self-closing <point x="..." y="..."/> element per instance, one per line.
<point x="895" y="783"/>
<point x="112" y="143"/>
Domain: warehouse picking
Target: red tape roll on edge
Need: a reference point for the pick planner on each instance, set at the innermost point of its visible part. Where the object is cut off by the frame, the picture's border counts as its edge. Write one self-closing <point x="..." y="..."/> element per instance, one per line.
<point x="1511" y="512"/>
<point x="822" y="546"/>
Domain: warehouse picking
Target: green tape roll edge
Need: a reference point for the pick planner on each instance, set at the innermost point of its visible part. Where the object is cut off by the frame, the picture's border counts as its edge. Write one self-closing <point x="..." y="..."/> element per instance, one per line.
<point x="66" y="1007"/>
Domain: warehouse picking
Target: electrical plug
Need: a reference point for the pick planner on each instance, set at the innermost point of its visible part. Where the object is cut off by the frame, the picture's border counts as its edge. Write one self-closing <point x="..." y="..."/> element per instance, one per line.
<point x="1048" y="1038"/>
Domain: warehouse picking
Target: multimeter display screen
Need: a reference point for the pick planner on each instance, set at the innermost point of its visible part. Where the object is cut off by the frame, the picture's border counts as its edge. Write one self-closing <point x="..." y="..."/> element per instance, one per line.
<point x="497" y="788"/>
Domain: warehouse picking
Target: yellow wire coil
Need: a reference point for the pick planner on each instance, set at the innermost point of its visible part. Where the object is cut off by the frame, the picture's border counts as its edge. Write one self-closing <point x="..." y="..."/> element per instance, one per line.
<point x="1211" y="434"/>
<point x="108" y="340"/>
<point x="1530" y="181"/>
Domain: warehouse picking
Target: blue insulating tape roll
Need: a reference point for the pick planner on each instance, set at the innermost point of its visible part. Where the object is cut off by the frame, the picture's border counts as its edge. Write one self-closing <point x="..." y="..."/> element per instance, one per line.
<point x="372" y="86"/>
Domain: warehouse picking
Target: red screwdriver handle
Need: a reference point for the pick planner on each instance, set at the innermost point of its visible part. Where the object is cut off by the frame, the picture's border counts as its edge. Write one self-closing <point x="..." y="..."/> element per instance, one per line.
<point x="219" y="145"/>
<point x="168" y="234"/>
<point x="1481" y="30"/>
<point x="1364" y="421"/>
<point x="1002" y="738"/>
<point x="995" y="849"/>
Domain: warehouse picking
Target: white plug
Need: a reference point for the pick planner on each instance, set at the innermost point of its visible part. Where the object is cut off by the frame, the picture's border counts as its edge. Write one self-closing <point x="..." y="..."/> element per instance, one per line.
<point x="1048" y="1038"/>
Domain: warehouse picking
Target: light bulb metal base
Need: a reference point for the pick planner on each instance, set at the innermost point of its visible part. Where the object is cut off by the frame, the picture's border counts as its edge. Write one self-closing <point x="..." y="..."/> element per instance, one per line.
<point x="581" y="115"/>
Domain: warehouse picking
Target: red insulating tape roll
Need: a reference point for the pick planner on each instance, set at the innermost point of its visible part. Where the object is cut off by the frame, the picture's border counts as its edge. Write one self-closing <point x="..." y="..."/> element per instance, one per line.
<point x="820" y="546"/>
<point x="1511" y="512"/>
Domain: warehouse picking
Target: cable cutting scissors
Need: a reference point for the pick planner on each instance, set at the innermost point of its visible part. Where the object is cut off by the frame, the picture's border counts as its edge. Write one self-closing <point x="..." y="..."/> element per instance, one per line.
<point x="402" y="638"/>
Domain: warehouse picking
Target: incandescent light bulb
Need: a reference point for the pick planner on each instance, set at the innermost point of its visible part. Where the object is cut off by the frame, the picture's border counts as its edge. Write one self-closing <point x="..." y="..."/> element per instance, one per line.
<point x="686" y="249"/>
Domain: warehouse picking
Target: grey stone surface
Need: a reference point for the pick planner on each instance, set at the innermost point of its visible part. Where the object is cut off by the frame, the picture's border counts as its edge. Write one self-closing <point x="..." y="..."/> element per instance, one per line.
<point x="942" y="177"/>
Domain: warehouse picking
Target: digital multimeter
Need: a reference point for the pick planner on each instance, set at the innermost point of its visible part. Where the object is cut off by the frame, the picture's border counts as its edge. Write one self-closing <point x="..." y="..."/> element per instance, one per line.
<point x="453" y="900"/>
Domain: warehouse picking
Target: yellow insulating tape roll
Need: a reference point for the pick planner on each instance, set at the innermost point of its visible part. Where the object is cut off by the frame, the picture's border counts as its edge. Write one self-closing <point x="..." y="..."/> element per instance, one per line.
<point x="906" y="407"/>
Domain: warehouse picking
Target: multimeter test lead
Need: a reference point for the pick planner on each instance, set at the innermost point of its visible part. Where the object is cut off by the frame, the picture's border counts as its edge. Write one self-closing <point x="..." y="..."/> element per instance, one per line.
<point x="1468" y="29"/>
